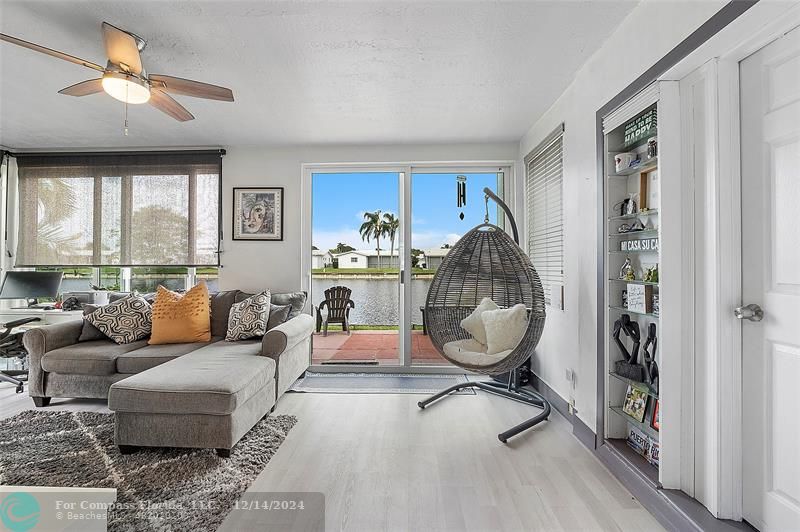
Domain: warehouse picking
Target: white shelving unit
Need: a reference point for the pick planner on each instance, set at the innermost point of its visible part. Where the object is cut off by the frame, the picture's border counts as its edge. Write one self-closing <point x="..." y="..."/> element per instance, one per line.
<point x="619" y="185"/>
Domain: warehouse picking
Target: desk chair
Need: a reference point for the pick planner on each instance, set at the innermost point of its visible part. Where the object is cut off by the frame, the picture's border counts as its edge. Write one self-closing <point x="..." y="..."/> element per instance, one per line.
<point x="11" y="347"/>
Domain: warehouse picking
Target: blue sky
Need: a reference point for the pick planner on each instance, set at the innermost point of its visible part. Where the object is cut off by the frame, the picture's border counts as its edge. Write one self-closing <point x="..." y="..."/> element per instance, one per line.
<point x="340" y="200"/>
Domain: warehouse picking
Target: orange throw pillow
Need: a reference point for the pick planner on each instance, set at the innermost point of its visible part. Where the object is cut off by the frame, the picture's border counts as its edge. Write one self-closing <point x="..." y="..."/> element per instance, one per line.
<point x="181" y="318"/>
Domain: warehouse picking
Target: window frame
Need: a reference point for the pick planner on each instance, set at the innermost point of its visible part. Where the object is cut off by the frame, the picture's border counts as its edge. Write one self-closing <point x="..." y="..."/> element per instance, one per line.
<point x="99" y="171"/>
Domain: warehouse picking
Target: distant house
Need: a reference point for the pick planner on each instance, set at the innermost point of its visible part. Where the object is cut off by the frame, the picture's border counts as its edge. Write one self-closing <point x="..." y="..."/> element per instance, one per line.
<point x="321" y="259"/>
<point x="367" y="258"/>
<point x="431" y="259"/>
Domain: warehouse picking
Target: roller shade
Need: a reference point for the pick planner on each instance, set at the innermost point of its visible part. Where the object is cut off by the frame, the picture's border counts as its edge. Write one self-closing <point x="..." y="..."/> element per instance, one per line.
<point x="544" y="211"/>
<point x="119" y="209"/>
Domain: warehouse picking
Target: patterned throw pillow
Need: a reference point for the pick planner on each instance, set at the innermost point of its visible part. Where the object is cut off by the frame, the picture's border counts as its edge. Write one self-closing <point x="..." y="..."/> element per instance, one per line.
<point x="181" y="318"/>
<point x="124" y="321"/>
<point x="248" y="319"/>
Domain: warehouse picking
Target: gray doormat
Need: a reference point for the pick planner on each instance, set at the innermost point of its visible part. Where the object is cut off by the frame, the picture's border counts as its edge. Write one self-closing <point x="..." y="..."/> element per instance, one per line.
<point x="378" y="383"/>
<point x="76" y="449"/>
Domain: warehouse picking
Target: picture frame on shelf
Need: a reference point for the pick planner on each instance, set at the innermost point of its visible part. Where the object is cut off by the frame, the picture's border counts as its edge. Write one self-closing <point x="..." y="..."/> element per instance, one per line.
<point x="258" y="213"/>
<point x="655" y="418"/>
<point x="640" y="298"/>
<point x="635" y="403"/>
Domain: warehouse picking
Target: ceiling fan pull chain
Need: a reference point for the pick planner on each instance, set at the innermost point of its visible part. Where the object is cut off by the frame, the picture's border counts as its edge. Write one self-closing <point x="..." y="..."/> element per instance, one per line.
<point x="126" y="110"/>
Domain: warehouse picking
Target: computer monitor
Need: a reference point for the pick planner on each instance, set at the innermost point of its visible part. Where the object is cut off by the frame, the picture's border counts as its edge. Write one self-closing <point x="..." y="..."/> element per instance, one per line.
<point x="30" y="285"/>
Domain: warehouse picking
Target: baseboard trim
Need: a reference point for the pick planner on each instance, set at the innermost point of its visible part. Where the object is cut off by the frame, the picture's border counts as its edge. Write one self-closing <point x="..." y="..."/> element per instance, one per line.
<point x="672" y="508"/>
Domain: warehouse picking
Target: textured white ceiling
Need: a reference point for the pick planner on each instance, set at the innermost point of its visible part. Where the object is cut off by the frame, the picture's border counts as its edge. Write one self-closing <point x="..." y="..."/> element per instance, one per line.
<point x="303" y="73"/>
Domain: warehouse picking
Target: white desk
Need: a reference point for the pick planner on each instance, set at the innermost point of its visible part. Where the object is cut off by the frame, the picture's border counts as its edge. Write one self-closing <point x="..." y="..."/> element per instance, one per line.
<point x="46" y="317"/>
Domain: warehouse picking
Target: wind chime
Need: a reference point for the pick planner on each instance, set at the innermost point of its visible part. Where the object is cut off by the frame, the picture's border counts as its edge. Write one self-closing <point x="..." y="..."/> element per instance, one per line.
<point x="461" y="193"/>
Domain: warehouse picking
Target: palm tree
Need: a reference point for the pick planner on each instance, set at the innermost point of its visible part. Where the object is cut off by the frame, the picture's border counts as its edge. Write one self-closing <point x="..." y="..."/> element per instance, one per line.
<point x="373" y="227"/>
<point x="392" y="224"/>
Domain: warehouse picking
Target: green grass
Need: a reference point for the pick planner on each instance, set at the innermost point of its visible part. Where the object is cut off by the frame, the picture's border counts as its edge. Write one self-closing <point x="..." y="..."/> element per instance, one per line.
<point x="362" y="271"/>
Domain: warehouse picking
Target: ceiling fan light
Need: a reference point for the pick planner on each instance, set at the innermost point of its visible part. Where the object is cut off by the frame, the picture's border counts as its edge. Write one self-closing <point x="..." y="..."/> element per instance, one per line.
<point x="126" y="88"/>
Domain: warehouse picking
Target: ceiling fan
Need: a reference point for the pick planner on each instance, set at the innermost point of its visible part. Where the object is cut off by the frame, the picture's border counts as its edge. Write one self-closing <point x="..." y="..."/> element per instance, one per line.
<point x="125" y="79"/>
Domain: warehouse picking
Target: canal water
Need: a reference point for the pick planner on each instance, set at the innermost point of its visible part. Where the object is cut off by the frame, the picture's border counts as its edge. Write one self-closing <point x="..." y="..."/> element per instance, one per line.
<point x="376" y="300"/>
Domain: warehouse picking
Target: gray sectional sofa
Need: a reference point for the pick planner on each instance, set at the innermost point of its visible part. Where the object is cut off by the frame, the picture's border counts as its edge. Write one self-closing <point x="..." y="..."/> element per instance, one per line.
<point x="205" y="395"/>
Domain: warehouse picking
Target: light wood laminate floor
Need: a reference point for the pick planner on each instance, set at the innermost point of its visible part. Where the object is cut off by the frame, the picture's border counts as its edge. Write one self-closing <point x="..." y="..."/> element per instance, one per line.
<point x="383" y="464"/>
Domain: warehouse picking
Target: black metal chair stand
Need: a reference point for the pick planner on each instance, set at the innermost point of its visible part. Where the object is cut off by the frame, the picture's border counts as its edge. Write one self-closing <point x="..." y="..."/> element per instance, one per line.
<point x="512" y="391"/>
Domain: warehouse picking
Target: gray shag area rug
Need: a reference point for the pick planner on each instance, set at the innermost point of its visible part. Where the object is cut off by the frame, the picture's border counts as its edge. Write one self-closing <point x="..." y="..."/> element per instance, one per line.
<point x="76" y="449"/>
<point x="378" y="383"/>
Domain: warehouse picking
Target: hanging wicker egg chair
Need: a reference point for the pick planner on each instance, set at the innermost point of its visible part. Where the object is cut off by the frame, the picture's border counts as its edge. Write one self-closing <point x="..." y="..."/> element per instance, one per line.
<point x="487" y="263"/>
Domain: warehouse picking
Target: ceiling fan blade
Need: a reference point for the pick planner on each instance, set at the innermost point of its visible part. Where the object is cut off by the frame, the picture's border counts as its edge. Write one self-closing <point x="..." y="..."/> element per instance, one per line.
<point x="164" y="103"/>
<point x="51" y="52"/>
<point x="188" y="87"/>
<point x="84" y="88"/>
<point x="121" y="48"/>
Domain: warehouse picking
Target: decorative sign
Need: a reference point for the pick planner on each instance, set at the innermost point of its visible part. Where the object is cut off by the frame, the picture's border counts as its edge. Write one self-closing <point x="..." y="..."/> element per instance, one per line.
<point x="640" y="298"/>
<point x="643" y="244"/>
<point x="640" y="128"/>
<point x="638" y="441"/>
<point x="654" y="456"/>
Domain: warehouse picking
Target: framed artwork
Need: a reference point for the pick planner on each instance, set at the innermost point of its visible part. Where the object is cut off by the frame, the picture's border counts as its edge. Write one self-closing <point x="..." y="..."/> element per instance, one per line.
<point x="635" y="403"/>
<point x="257" y="213"/>
<point x="655" y="421"/>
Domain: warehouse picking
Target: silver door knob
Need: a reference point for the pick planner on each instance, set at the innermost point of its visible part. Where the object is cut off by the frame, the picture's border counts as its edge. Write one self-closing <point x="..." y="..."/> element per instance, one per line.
<point x="750" y="312"/>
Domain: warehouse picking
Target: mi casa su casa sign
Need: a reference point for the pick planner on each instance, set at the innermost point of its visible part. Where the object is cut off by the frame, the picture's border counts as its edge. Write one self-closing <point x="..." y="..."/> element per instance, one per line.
<point x="644" y="244"/>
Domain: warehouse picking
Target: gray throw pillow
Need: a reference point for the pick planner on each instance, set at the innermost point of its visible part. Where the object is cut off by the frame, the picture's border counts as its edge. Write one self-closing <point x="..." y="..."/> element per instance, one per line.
<point x="278" y="314"/>
<point x="296" y="299"/>
<point x="89" y="332"/>
<point x="124" y="321"/>
<point x="248" y="318"/>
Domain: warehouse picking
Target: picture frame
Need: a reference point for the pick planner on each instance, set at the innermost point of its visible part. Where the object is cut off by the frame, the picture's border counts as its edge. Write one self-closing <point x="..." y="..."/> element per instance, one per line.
<point x="257" y="213"/>
<point x="655" y="419"/>
<point x="635" y="403"/>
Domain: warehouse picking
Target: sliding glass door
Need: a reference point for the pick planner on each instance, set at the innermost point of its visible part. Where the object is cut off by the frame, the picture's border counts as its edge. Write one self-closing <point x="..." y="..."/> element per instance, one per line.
<point x="445" y="204"/>
<point x="355" y="267"/>
<point x="377" y="238"/>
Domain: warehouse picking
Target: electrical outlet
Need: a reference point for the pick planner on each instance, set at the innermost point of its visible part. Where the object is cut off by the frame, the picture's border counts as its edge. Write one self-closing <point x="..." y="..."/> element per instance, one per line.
<point x="570" y="375"/>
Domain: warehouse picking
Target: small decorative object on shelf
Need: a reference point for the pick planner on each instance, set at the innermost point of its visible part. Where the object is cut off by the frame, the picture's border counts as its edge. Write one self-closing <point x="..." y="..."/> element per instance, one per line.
<point x="640" y="298"/>
<point x="651" y="272"/>
<point x="652" y="147"/>
<point x="649" y="357"/>
<point x="623" y="161"/>
<point x="626" y="272"/>
<point x="629" y="366"/>
<point x="655" y="419"/>
<point x="630" y="203"/>
<point x="656" y="305"/>
<point x="636" y="226"/>
<point x="624" y="299"/>
<point x="635" y="403"/>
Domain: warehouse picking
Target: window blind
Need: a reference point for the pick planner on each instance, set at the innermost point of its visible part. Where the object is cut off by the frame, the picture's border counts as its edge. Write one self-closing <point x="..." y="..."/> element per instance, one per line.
<point x="544" y="211"/>
<point x="119" y="209"/>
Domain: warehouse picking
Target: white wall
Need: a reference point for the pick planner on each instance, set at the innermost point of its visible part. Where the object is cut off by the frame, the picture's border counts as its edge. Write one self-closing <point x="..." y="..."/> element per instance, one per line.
<point x="645" y="36"/>
<point x="257" y="265"/>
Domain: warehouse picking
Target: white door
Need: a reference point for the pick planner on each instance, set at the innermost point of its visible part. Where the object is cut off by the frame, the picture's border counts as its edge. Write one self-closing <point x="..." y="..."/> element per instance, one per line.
<point x="770" y="151"/>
